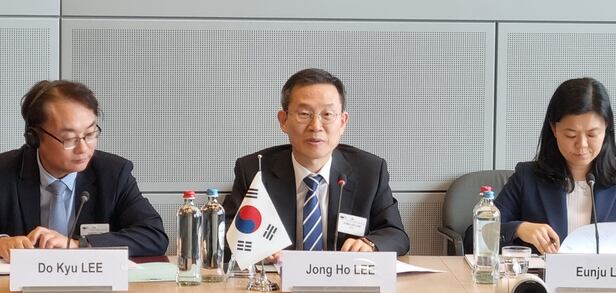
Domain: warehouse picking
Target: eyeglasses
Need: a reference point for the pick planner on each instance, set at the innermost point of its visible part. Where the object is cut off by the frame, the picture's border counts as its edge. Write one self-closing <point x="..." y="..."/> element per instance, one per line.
<point x="306" y="117"/>
<point x="71" y="143"/>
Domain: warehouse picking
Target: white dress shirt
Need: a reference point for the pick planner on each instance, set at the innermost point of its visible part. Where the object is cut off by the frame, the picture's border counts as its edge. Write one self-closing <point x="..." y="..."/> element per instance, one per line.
<point x="579" y="206"/>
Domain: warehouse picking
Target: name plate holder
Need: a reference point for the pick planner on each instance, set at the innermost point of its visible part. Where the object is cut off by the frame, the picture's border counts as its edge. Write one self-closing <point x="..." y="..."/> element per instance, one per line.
<point x="69" y="270"/>
<point x="329" y="271"/>
<point x="67" y="289"/>
<point x="576" y="271"/>
<point x="314" y="289"/>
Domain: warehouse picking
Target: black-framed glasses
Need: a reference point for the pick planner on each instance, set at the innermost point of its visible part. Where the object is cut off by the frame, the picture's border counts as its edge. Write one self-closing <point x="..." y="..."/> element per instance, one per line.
<point x="71" y="143"/>
<point x="306" y="117"/>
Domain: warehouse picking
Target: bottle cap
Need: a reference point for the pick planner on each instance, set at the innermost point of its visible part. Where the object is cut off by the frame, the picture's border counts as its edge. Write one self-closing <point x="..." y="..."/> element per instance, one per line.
<point x="212" y="192"/>
<point x="488" y="194"/>
<point x="189" y="194"/>
<point x="485" y="188"/>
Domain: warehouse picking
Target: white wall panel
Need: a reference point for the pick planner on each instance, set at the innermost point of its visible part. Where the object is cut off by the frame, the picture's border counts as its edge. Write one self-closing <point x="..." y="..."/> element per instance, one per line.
<point x="421" y="215"/>
<point x="29" y="52"/>
<point x="435" y="10"/>
<point x="533" y="59"/>
<point x="30" y="7"/>
<point x="184" y="99"/>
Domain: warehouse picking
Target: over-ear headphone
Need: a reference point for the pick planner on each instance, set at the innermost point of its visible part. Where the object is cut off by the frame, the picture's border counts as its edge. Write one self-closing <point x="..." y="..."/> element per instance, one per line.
<point x="31" y="135"/>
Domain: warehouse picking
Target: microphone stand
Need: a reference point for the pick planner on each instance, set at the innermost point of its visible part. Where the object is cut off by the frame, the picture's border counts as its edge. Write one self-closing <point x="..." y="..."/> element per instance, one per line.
<point x="84" y="198"/>
<point x="341" y="182"/>
<point x="591" y="181"/>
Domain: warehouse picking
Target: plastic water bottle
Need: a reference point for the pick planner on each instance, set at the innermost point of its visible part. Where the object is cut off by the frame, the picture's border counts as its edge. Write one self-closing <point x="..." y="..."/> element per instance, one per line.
<point x="213" y="238"/>
<point x="190" y="229"/>
<point x="486" y="235"/>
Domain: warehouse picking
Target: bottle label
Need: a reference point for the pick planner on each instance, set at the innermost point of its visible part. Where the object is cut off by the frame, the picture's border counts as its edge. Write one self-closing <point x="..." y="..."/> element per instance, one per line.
<point x="221" y="233"/>
<point x="488" y="236"/>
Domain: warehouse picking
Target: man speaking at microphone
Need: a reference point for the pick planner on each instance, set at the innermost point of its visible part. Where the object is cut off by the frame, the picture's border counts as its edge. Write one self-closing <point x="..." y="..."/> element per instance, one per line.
<point x="46" y="181"/>
<point x="302" y="178"/>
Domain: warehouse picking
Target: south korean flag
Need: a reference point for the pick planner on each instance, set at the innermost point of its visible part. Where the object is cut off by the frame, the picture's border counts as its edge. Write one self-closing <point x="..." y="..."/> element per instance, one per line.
<point x="256" y="231"/>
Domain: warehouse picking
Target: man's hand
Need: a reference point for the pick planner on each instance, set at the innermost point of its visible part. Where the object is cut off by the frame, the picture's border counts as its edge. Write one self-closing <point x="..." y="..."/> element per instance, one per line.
<point x="17" y="242"/>
<point x="542" y="236"/>
<point x="47" y="238"/>
<point x="274" y="258"/>
<point x="355" y="245"/>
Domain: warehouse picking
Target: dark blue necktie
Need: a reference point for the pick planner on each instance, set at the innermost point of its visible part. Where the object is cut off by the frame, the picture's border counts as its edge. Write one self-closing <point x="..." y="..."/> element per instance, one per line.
<point x="313" y="230"/>
<point x="58" y="217"/>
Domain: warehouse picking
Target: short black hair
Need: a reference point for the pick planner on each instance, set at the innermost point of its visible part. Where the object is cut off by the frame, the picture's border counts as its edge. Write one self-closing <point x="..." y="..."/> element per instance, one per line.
<point x="311" y="76"/>
<point x="34" y="101"/>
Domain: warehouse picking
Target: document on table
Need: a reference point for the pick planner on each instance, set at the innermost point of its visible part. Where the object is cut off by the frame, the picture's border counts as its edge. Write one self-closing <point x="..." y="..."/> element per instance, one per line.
<point x="5" y="268"/>
<point x="270" y="268"/>
<point x="582" y="240"/>
<point x="152" y="272"/>
<point x="402" y="267"/>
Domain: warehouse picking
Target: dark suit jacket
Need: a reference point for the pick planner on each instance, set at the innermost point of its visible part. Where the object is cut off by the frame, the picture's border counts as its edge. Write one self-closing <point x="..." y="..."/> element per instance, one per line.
<point x="366" y="194"/>
<point x="527" y="197"/>
<point x="114" y="199"/>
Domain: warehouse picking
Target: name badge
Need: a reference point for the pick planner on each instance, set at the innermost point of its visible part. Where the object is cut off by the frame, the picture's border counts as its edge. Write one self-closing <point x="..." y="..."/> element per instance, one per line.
<point x="69" y="268"/>
<point x="350" y="224"/>
<point x="329" y="269"/>
<point x="93" y="229"/>
<point x="565" y="270"/>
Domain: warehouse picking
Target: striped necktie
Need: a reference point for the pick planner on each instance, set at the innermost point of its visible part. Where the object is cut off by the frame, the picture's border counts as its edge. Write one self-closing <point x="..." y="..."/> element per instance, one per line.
<point x="313" y="230"/>
<point x="58" y="218"/>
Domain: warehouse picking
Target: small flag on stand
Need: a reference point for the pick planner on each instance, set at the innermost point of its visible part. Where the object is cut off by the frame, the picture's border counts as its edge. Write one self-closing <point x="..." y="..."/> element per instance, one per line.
<point x="256" y="231"/>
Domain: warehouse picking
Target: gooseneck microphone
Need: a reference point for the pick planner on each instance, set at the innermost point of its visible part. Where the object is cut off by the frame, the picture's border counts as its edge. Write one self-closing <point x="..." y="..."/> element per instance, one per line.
<point x="590" y="178"/>
<point x="85" y="196"/>
<point x="341" y="182"/>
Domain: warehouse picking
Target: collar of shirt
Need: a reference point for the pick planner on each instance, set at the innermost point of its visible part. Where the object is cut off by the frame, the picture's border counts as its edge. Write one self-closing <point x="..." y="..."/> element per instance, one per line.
<point x="301" y="172"/>
<point x="46" y="178"/>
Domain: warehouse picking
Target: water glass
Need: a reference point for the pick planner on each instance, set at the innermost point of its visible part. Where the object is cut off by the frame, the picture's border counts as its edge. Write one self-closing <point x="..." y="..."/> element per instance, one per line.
<point x="515" y="260"/>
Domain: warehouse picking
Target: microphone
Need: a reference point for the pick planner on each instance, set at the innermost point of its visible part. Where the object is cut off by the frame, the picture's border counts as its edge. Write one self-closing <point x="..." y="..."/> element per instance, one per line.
<point x="590" y="178"/>
<point x="85" y="196"/>
<point x="341" y="182"/>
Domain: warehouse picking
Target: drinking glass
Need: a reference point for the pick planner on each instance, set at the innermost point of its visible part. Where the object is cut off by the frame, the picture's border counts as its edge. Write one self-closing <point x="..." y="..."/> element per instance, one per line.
<point x="515" y="260"/>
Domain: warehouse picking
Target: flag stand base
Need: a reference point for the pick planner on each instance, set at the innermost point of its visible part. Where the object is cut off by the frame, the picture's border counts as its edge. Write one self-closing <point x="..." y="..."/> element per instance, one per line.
<point x="234" y="271"/>
<point x="261" y="283"/>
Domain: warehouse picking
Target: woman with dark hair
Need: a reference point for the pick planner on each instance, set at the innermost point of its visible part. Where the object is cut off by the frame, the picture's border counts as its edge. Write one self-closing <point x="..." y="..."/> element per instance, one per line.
<point x="549" y="197"/>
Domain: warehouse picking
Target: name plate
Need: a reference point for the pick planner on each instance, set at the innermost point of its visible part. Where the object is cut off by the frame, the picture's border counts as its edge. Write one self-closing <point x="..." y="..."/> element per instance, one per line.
<point x="69" y="267"/>
<point x="565" y="270"/>
<point x="338" y="269"/>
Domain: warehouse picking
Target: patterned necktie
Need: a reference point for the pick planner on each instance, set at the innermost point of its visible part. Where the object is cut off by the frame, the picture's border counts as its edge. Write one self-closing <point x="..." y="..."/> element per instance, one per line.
<point x="313" y="231"/>
<point x="58" y="218"/>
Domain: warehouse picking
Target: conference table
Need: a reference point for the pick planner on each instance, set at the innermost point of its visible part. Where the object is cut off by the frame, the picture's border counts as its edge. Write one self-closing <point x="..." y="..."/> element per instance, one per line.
<point x="456" y="278"/>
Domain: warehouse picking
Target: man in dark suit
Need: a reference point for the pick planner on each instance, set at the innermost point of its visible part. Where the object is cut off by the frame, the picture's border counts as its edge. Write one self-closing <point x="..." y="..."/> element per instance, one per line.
<point x="43" y="181"/>
<point x="313" y="116"/>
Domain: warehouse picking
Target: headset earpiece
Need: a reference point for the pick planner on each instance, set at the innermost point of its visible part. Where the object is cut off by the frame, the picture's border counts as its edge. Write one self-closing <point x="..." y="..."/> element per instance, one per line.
<point x="31" y="137"/>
